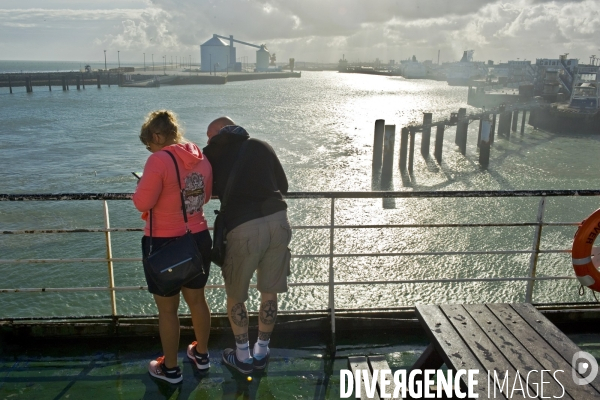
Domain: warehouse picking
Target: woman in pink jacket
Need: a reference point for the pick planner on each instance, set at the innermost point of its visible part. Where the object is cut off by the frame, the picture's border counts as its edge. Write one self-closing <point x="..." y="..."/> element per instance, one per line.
<point x="158" y="190"/>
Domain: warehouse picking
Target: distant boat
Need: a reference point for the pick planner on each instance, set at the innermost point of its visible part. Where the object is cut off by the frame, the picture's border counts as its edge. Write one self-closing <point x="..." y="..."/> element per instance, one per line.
<point x="464" y="72"/>
<point x="581" y="114"/>
<point x="412" y="69"/>
<point x="151" y="83"/>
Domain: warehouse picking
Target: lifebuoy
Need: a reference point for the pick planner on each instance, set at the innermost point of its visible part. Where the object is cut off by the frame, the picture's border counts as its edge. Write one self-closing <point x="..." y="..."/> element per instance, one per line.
<point x="585" y="265"/>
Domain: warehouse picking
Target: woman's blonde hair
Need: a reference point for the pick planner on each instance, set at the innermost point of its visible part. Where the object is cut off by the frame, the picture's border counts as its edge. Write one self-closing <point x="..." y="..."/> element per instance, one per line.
<point x="162" y="122"/>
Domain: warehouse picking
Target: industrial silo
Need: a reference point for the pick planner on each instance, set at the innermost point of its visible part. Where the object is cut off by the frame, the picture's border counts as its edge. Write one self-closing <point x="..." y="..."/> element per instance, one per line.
<point x="262" y="58"/>
<point x="214" y="55"/>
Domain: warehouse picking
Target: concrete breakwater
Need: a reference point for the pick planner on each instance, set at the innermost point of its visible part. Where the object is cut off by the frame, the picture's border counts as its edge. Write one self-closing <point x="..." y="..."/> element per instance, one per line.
<point x="203" y="79"/>
<point x="79" y="80"/>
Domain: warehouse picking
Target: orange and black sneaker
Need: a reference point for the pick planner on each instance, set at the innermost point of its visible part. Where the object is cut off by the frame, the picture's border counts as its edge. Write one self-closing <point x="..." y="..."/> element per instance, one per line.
<point x="202" y="361"/>
<point x="157" y="369"/>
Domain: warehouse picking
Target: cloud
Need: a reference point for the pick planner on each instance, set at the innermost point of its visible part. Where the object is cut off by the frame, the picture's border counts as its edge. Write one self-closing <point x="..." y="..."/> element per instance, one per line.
<point x="150" y="30"/>
<point x="317" y="30"/>
<point x="18" y="25"/>
<point x="56" y="15"/>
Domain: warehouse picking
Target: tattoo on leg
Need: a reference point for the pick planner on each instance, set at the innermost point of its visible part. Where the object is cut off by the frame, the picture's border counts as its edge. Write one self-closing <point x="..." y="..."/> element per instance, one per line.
<point x="268" y="312"/>
<point x="264" y="335"/>
<point x="239" y="316"/>
<point x="241" y="339"/>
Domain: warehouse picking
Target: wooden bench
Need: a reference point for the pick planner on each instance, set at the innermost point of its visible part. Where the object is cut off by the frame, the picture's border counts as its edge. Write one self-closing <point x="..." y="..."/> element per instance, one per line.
<point x="502" y="339"/>
<point x="370" y="364"/>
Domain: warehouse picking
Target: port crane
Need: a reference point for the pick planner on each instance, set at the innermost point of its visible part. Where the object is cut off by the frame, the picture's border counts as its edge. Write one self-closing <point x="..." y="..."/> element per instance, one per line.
<point x="232" y="50"/>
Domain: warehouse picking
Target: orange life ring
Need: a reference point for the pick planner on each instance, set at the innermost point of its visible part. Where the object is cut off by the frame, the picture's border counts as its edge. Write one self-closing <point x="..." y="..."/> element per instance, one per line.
<point x="586" y="271"/>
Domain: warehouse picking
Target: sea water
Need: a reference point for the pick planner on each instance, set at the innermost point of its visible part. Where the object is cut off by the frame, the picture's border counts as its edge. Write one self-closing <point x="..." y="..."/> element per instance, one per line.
<point x="321" y="127"/>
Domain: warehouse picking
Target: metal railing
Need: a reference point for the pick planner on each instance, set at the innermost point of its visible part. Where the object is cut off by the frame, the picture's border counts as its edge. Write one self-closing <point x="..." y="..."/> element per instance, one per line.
<point x="331" y="283"/>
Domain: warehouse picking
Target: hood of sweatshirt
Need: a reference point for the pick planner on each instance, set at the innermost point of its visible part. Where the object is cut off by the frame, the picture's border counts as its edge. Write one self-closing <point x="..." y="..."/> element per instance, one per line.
<point x="229" y="134"/>
<point x="188" y="153"/>
<point x="219" y="144"/>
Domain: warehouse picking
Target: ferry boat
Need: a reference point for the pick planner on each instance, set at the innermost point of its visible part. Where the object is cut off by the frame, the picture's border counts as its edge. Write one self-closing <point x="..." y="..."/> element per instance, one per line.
<point x="413" y="69"/>
<point x="106" y="356"/>
<point x="581" y="113"/>
<point x="464" y="72"/>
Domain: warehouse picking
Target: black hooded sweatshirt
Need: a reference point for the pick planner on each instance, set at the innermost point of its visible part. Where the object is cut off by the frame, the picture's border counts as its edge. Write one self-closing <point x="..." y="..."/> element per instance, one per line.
<point x="258" y="187"/>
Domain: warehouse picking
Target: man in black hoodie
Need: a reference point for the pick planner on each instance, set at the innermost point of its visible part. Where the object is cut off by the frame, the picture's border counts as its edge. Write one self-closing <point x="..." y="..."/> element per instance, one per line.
<point x="258" y="235"/>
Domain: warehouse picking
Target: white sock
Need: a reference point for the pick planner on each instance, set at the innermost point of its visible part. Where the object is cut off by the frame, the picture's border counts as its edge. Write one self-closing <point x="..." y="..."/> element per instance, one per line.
<point x="243" y="351"/>
<point x="261" y="347"/>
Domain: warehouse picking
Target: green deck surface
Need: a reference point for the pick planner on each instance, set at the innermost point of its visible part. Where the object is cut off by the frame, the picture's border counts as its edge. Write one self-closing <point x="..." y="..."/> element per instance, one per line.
<point x="117" y="368"/>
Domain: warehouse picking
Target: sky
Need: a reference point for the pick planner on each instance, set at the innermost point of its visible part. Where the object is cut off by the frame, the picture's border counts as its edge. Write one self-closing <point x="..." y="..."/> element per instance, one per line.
<point x="307" y="30"/>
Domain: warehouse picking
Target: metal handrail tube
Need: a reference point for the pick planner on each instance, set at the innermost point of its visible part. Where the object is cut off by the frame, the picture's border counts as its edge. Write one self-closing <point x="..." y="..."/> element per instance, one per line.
<point x="341" y="255"/>
<point x="300" y="284"/>
<point x="296" y="227"/>
<point x="328" y="195"/>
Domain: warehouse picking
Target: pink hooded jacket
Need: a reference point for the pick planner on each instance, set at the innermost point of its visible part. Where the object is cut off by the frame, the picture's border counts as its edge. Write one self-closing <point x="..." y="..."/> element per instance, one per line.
<point x="158" y="190"/>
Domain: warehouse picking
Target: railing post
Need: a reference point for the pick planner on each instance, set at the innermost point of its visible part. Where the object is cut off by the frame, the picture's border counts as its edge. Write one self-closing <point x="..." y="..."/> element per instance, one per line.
<point x="537" y="235"/>
<point x="332" y="278"/>
<point x="111" y="275"/>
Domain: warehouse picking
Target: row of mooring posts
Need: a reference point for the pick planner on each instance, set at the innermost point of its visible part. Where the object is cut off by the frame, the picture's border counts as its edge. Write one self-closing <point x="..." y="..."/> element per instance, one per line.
<point x="384" y="137"/>
<point x="64" y="81"/>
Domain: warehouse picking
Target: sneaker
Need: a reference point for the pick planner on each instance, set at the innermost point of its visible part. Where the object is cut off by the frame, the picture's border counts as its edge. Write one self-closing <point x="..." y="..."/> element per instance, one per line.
<point x="229" y="358"/>
<point x="202" y="361"/>
<point x="260" y="361"/>
<point x="158" y="370"/>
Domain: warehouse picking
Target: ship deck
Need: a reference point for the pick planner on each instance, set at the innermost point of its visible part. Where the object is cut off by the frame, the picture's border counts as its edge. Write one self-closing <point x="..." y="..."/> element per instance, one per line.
<point x="301" y="365"/>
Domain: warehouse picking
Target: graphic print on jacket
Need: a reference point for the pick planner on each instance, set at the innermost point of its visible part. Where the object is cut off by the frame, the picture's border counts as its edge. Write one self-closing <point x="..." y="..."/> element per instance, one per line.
<point x="194" y="192"/>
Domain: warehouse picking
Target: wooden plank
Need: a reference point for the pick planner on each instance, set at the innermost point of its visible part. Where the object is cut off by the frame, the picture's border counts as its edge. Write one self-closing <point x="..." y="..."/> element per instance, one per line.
<point x="449" y="345"/>
<point x="360" y="363"/>
<point x="490" y="357"/>
<point x="515" y="348"/>
<point x="540" y="349"/>
<point x="553" y="336"/>
<point x="380" y="363"/>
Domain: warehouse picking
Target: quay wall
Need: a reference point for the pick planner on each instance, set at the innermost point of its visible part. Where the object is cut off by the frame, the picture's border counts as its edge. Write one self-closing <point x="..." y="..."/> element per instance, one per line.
<point x="56" y="78"/>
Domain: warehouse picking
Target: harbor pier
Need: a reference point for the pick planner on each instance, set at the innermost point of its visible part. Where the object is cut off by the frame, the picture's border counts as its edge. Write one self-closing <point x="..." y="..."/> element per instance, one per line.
<point x="108" y="78"/>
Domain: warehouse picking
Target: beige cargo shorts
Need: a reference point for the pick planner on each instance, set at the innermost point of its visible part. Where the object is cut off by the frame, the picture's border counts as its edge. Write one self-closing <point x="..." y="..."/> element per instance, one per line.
<point x="259" y="245"/>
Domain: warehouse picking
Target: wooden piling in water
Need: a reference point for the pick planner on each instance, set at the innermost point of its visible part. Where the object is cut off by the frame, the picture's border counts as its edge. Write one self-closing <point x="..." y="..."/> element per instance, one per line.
<point x="403" y="148"/>
<point x="462" y="112"/>
<point x="64" y="84"/>
<point x="493" y="129"/>
<point x="503" y="123"/>
<point x="78" y="80"/>
<point x="508" y="123"/>
<point x="532" y="116"/>
<point x="411" y="150"/>
<point x="98" y="80"/>
<point x="461" y="135"/>
<point x="49" y="83"/>
<point x="515" y="118"/>
<point x="484" y="144"/>
<point x="389" y="138"/>
<point x="426" y="136"/>
<point x="28" y="84"/>
<point x="479" y="131"/>
<point x="378" y="143"/>
<point x="9" y="84"/>
<point x="523" y="122"/>
<point x="109" y="79"/>
<point x="82" y="82"/>
<point x="439" y="142"/>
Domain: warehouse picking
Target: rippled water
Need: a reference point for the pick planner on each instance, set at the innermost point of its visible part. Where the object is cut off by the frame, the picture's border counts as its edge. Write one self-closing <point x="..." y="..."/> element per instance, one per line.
<point x="321" y="126"/>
